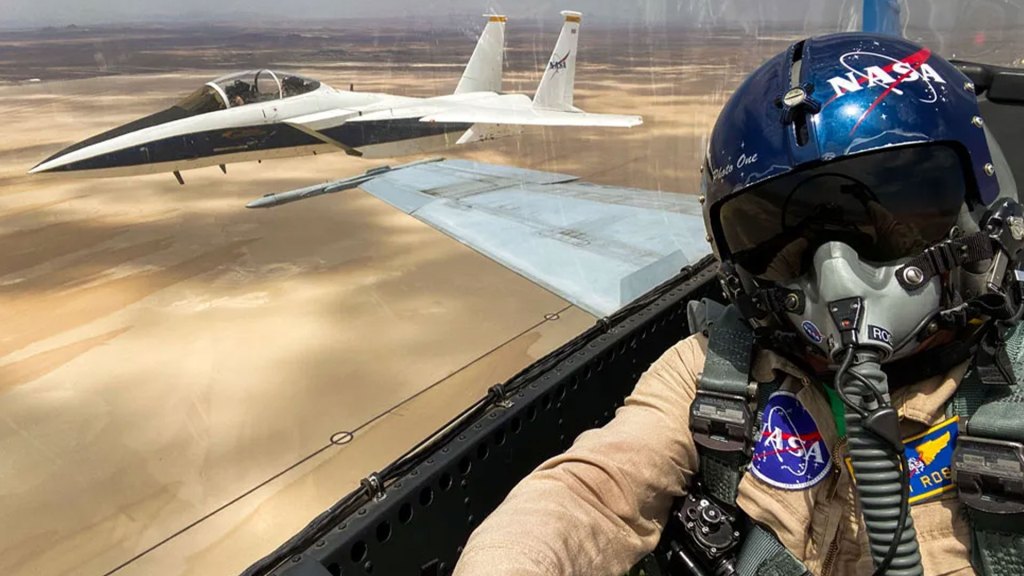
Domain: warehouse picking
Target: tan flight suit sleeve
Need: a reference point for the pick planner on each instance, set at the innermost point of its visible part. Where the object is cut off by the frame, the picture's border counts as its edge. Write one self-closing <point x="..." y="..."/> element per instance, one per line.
<point x="600" y="506"/>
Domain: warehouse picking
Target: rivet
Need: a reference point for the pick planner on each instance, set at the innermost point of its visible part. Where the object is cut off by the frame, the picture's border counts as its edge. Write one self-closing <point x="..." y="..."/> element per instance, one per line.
<point x="977" y="121"/>
<point x="913" y="275"/>
<point x="932" y="328"/>
<point x="969" y="86"/>
<point x="708" y="237"/>
<point x="701" y="199"/>
<point x="990" y="169"/>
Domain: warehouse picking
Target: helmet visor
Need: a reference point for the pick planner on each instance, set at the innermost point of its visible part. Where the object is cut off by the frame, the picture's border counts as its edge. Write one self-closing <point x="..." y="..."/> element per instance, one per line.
<point x="886" y="205"/>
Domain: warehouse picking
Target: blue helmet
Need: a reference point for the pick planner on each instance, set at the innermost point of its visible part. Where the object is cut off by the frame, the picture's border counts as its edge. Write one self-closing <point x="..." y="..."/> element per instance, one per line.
<point x="856" y="146"/>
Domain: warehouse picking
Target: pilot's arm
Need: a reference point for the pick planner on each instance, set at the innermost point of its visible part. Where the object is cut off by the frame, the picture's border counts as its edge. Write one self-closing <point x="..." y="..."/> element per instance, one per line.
<point x="601" y="506"/>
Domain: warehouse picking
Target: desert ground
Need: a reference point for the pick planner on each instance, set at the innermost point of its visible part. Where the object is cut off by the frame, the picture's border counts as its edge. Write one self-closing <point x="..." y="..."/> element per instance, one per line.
<point x="184" y="383"/>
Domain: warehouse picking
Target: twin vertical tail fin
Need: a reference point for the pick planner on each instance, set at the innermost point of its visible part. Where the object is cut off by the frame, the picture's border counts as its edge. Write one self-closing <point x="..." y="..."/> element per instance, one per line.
<point x="483" y="73"/>
<point x="555" y="89"/>
<point x="882" y="17"/>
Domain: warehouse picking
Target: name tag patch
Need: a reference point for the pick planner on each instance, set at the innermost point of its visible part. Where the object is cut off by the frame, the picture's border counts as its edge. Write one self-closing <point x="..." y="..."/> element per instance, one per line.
<point x="789" y="452"/>
<point x="930" y="459"/>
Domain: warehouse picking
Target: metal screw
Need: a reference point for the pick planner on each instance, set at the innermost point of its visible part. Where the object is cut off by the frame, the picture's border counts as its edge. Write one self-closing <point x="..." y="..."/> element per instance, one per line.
<point x="977" y="121"/>
<point x="701" y="199"/>
<point x="990" y="169"/>
<point x="714" y="550"/>
<point x="969" y="86"/>
<point x="736" y="534"/>
<point x="792" y="302"/>
<point x="794" y="97"/>
<point x="704" y="530"/>
<point x="932" y="328"/>
<point x="913" y="275"/>
<point x="708" y="238"/>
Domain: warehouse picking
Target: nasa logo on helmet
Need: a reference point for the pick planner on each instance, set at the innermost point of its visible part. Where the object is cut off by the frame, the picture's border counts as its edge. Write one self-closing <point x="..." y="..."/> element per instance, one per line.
<point x="790" y="452"/>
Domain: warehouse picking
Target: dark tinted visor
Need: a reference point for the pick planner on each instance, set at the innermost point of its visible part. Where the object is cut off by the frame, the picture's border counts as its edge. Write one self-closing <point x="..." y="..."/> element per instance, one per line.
<point x="887" y="205"/>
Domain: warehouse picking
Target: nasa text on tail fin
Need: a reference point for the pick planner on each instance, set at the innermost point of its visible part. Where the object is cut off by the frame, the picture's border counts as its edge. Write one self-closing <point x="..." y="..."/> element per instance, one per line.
<point x="555" y="89"/>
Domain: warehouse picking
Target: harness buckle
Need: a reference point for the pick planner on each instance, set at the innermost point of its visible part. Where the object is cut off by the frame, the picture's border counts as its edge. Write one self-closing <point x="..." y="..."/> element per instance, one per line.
<point x="720" y="421"/>
<point x="990" y="474"/>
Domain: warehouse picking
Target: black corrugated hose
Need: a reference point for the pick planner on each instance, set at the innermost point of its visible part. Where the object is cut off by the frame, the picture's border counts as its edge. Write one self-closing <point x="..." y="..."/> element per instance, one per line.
<point x="879" y="464"/>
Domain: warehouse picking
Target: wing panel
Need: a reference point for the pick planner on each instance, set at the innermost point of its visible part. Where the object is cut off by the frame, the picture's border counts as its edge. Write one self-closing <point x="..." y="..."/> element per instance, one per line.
<point x="321" y="120"/>
<point x="598" y="247"/>
<point x="532" y="117"/>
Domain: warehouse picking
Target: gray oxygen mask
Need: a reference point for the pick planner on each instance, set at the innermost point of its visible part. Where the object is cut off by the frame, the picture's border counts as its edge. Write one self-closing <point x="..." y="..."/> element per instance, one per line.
<point x="844" y="296"/>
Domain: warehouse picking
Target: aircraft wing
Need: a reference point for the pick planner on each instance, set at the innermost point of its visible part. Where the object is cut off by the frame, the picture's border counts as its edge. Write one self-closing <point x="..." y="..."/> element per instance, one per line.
<point x="313" y="124"/>
<point x="532" y="117"/>
<point x="598" y="247"/>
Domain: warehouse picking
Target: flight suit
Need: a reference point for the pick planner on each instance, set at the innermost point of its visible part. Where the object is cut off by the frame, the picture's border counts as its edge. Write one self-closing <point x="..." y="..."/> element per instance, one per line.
<point x="601" y="506"/>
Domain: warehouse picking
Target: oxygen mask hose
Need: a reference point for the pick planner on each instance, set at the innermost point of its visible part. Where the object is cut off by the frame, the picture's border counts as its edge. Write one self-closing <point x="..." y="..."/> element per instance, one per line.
<point x="879" y="462"/>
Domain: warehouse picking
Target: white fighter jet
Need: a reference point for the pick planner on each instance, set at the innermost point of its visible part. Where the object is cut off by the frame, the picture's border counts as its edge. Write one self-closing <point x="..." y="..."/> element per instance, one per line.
<point x="264" y="114"/>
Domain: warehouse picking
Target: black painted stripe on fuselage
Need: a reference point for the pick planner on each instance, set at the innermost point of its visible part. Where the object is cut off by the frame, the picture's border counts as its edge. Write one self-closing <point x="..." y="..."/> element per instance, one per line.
<point x="198" y="145"/>
<point x="212" y="143"/>
<point x="358" y="134"/>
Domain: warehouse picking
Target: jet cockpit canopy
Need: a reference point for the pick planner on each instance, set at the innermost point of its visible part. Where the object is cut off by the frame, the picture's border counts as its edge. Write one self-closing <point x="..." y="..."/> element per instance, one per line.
<point x="247" y="87"/>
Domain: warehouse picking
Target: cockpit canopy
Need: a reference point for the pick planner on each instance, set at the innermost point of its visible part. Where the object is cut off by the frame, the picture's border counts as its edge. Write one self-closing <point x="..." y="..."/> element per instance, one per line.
<point x="244" y="88"/>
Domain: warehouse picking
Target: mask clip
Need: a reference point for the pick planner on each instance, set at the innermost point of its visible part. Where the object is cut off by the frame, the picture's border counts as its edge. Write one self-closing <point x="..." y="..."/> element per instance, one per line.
<point x="846" y="314"/>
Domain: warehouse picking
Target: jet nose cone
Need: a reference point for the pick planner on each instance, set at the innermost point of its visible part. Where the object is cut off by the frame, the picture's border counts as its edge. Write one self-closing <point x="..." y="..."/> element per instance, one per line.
<point x="96" y="151"/>
<point x="41" y="168"/>
<point x="56" y="161"/>
<point x="53" y="163"/>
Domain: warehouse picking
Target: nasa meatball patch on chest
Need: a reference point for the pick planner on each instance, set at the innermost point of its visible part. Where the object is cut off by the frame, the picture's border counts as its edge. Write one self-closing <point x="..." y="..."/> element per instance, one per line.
<point x="789" y="452"/>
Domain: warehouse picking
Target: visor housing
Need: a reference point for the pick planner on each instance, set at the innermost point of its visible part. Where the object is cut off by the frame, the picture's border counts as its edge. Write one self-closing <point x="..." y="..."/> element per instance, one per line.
<point x="887" y="205"/>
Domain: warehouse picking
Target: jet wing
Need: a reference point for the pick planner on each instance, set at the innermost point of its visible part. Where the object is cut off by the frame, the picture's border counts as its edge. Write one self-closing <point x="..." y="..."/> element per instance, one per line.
<point x="598" y="247"/>
<point x="312" y="124"/>
<point x="532" y="117"/>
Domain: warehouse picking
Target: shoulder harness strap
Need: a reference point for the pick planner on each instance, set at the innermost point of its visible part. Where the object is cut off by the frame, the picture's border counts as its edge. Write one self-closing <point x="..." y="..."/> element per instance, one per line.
<point x="723" y="427"/>
<point x="763" y="555"/>
<point x="720" y="417"/>
<point x="988" y="463"/>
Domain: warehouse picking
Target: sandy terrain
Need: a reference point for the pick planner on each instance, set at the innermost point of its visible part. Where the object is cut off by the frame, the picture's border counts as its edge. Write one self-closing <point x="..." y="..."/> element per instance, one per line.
<point x="173" y="366"/>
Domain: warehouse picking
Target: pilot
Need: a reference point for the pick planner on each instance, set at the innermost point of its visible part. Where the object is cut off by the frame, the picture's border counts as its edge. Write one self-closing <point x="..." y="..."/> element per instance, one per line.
<point x="838" y="416"/>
